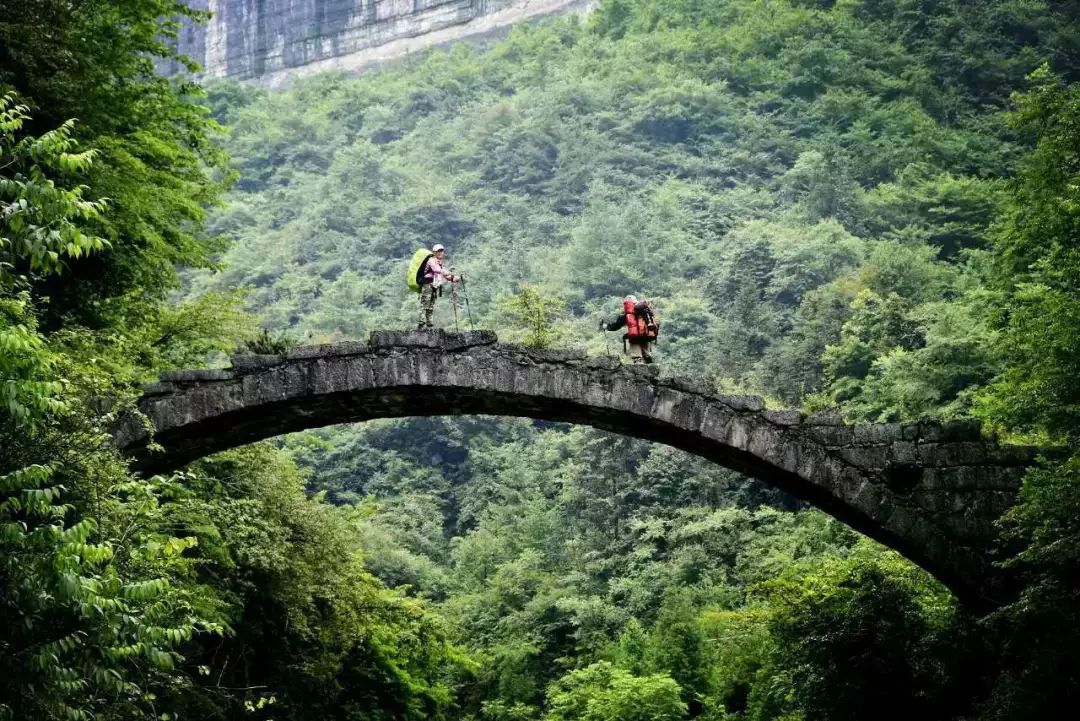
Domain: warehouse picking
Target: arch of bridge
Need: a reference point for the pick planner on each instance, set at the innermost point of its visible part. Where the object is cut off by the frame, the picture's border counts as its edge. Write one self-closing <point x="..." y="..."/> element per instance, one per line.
<point x="931" y="491"/>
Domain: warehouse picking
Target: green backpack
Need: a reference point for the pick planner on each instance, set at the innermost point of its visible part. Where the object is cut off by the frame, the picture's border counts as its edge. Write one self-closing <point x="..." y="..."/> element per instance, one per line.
<point x="416" y="268"/>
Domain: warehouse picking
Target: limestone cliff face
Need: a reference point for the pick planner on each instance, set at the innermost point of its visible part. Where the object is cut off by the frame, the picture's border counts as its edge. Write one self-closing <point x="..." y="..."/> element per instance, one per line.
<point x="273" y="40"/>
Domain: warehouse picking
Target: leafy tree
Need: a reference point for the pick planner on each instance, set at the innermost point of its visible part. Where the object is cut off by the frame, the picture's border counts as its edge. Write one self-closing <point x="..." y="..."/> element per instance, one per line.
<point x="1036" y="311"/>
<point x="93" y="580"/>
<point x="155" y="159"/>
<point x="536" y="313"/>
<point x="855" y="641"/>
<point x="601" y="691"/>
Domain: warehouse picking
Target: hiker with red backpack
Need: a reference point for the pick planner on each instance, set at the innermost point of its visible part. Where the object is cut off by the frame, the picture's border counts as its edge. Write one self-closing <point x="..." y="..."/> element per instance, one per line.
<point x="641" y="328"/>
<point x="427" y="276"/>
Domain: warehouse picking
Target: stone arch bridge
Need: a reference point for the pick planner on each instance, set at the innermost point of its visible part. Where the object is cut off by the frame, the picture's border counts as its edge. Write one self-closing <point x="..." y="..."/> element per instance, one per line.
<point x="931" y="491"/>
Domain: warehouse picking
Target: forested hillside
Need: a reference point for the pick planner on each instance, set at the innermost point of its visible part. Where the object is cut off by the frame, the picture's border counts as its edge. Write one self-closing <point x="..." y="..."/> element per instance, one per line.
<point x="869" y="204"/>
<point x="805" y="192"/>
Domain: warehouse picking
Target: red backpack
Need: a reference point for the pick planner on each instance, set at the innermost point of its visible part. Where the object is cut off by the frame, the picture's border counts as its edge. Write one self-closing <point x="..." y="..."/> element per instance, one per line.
<point x="641" y="323"/>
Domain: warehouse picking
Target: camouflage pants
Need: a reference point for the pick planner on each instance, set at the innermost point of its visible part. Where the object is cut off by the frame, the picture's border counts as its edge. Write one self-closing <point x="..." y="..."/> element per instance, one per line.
<point x="428" y="294"/>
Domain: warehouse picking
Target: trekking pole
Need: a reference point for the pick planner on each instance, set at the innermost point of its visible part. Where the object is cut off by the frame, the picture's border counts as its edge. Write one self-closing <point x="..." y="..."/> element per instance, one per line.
<point x="453" y="302"/>
<point x="465" y="295"/>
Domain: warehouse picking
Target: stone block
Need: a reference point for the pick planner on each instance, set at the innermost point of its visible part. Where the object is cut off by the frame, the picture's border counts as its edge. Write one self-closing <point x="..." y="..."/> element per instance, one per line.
<point x="782" y="418"/>
<point x="910" y="431"/>
<point x="555" y="355"/>
<point x="936" y="501"/>
<point x="830" y="436"/>
<point x="830" y="417"/>
<point x="157" y="389"/>
<point x="997" y="478"/>
<point x="957" y="453"/>
<point x="606" y="363"/>
<point x="961" y="430"/>
<point x="848" y="483"/>
<point x="972" y="529"/>
<point x="650" y="372"/>
<point x="328" y="350"/>
<point x="684" y="383"/>
<point x="968" y="429"/>
<point x="784" y="453"/>
<point x="867" y="498"/>
<point x="431" y="338"/>
<point x="195" y="376"/>
<point x="743" y="403"/>
<point x="251" y="362"/>
<point x="872" y="433"/>
<point x="682" y="410"/>
<point x="715" y="422"/>
<point x="762" y="440"/>
<point x="1011" y="455"/>
<point x="903" y="452"/>
<point x="902" y="520"/>
<point x="819" y="468"/>
<point x="469" y="339"/>
<point x="738" y="433"/>
<point x="956" y="478"/>
<point x="865" y="456"/>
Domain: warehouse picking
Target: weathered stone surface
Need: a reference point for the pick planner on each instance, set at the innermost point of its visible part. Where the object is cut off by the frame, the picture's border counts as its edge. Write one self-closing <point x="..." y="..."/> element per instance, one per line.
<point x="903" y="452"/>
<point x="824" y="418"/>
<point x="744" y="403"/>
<point x="202" y="374"/>
<point x="329" y="350"/>
<point x="831" y="436"/>
<point x="272" y="40"/>
<point x="782" y="418"/>
<point x="891" y="482"/>
<point x="877" y="432"/>
<point x="247" y="362"/>
<point x="157" y="389"/>
<point x="433" y="338"/>
<point x="547" y="355"/>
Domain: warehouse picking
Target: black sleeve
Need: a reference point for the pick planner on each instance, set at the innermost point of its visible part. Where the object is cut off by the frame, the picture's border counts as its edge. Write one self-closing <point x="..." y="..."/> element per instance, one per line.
<point x="619" y="322"/>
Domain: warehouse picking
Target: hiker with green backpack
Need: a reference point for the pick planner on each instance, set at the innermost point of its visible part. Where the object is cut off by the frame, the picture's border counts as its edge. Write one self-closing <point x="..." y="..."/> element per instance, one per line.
<point x="426" y="277"/>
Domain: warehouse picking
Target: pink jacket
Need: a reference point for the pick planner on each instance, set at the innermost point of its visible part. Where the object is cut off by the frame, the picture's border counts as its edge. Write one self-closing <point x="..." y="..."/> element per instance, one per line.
<point x="435" y="270"/>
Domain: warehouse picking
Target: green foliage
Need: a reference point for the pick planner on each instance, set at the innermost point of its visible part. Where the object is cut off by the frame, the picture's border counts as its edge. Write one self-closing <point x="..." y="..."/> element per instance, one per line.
<point x="773" y="162"/>
<point x="28" y="388"/>
<point x="154" y="157"/>
<point x="265" y="344"/>
<point x="1039" y="270"/>
<point x="42" y="222"/>
<point x="1037" y="310"/>
<point x="602" y="692"/>
<point x="93" y="615"/>
<point x="93" y="582"/>
<point x="816" y="195"/>
<point x="855" y="641"/>
<point x="309" y="621"/>
<point x="535" y="313"/>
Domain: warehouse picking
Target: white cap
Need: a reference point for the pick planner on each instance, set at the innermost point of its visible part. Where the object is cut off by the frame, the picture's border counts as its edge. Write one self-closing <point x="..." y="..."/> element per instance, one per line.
<point x="437" y="247"/>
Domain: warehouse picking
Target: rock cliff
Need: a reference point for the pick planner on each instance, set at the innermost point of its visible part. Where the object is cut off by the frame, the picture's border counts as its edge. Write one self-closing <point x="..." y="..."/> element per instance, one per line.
<point x="273" y="40"/>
